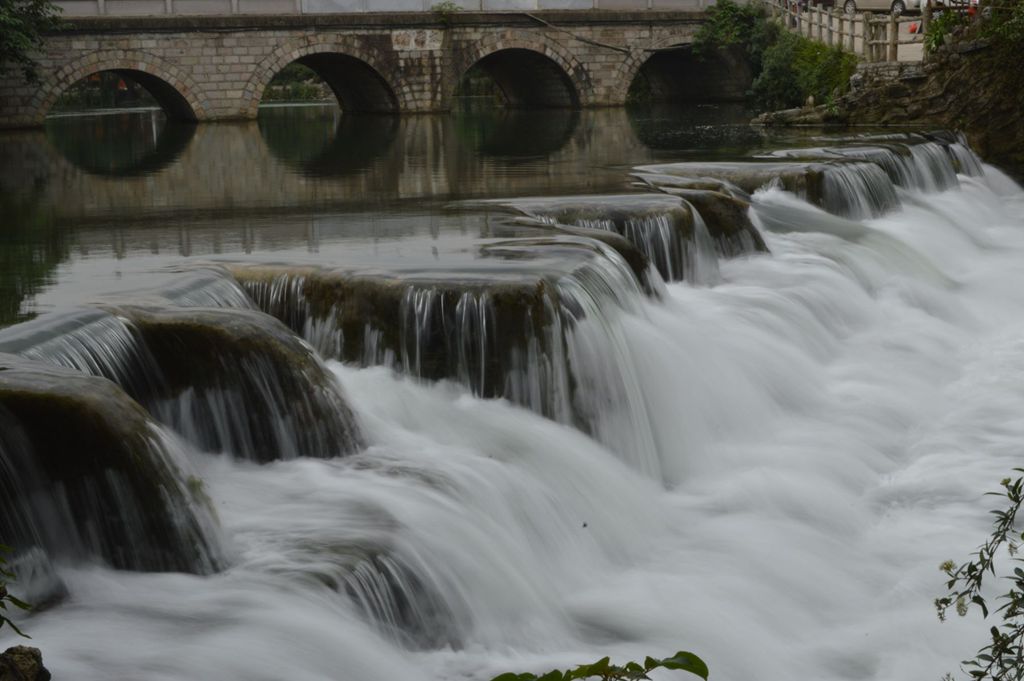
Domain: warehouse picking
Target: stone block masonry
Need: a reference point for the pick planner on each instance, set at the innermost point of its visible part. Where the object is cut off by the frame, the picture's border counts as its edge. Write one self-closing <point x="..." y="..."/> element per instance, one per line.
<point x="211" y="68"/>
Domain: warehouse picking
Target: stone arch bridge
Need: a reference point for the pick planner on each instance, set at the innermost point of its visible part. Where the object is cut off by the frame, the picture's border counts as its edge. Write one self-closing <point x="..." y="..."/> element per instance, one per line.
<point x="210" y="68"/>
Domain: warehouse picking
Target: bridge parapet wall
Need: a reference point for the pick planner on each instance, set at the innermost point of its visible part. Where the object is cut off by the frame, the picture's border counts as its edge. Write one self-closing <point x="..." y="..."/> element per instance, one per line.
<point x="127" y="8"/>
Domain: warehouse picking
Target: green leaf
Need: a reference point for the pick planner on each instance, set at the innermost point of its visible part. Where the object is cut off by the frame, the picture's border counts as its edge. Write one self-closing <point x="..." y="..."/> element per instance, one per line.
<point x="12" y="625"/>
<point x="687" y="662"/>
<point x="19" y="603"/>
<point x="509" y="676"/>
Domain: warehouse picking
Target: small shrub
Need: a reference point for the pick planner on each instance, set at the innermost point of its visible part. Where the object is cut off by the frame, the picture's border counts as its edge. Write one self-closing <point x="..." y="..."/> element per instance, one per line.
<point x="941" y="26"/>
<point x="604" y="670"/>
<point x="1003" y="658"/>
<point x="6" y="599"/>
<point x="444" y="10"/>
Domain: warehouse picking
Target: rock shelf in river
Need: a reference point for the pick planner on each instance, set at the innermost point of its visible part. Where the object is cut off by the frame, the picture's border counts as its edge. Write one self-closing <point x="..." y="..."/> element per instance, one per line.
<point x="85" y="472"/>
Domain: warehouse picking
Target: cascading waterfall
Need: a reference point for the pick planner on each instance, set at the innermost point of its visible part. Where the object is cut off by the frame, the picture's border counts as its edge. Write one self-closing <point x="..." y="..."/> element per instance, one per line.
<point x="105" y="483"/>
<point x="911" y="162"/>
<point x="670" y="232"/>
<point x="91" y="341"/>
<point x="544" y="344"/>
<point x="857" y="191"/>
<point x="222" y="390"/>
<point x="765" y="468"/>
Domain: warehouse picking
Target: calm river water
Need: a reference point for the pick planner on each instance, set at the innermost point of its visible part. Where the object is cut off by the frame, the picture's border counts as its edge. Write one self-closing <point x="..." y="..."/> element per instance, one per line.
<point x="92" y="199"/>
<point x="764" y="463"/>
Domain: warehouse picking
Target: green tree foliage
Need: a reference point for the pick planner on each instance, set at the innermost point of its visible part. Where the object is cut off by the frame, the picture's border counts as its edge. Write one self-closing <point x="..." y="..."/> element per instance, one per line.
<point x="1005" y="23"/>
<point x="1003" y="658"/>
<point x="31" y="247"/>
<point x="297" y="83"/>
<point x="604" y="670"/>
<point x="788" y="68"/>
<point x="22" y="25"/>
<point x="942" y="25"/>
<point x="795" y="68"/>
<point x="6" y="599"/>
<point x="746" y="25"/>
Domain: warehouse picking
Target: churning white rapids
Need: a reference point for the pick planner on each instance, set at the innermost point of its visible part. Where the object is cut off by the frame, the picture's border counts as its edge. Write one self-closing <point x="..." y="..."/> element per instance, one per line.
<point x="827" y="420"/>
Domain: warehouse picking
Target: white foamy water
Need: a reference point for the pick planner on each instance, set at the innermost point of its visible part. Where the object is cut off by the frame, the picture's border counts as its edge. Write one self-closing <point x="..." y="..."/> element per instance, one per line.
<point x="825" y="421"/>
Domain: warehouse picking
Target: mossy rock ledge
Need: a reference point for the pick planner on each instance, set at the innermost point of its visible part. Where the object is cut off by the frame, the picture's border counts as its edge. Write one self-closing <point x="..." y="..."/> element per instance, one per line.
<point x="487" y="331"/>
<point x="657" y="226"/>
<point x="824" y="184"/>
<point x="240" y="381"/>
<point x="86" y="474"/>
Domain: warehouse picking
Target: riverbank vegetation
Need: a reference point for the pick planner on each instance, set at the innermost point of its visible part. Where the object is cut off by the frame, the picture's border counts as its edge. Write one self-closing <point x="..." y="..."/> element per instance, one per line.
<point x="297" y="83"/>
<point x="1003" y="658"/>
<point x="788" y="69"/>
<point x="22" y="25"/>
<point x="999" y="23"/>
<point x="604" y="670"/>
<point x="7" y="600"/>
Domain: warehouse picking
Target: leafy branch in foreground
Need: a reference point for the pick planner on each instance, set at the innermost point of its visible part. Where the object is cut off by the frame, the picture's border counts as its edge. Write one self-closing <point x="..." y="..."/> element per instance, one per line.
<point x="606" y="671"/>
<point x="5" y="597"/>
<point x="1003" y="658"/>
<point x="23" y="24"/>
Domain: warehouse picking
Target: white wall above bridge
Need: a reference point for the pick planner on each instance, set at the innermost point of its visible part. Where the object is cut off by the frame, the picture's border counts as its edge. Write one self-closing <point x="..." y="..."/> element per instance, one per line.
<point x="126" y="8"/>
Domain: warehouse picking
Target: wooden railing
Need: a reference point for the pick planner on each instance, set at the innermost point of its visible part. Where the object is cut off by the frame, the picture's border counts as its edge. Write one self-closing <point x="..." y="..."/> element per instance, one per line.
<point x="873" y="37"/>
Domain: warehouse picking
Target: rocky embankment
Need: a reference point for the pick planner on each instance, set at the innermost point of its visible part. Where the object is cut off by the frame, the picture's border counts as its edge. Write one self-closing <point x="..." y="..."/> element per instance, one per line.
<point x="966" y="85"/>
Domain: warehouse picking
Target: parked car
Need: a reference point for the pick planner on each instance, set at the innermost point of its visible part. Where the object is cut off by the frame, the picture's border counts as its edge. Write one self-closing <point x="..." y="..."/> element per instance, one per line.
<point x="897" y="7"/>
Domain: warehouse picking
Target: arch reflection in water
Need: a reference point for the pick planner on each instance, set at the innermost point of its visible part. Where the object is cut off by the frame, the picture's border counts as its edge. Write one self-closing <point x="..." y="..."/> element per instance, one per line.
<point x="515" y="134"/>
<point x="121" y="144"/>
<point x="321" y="141"/>
<point x="724" y="128"/>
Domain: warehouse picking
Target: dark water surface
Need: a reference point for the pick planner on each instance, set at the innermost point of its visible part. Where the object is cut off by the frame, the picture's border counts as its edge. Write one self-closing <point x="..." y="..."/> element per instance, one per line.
<point x="104" y="202"/>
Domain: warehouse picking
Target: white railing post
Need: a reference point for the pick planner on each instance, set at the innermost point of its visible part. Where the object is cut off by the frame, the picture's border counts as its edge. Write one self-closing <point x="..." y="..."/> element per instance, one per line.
<point x="894" y="37"/>
<point x="865" y="37"/>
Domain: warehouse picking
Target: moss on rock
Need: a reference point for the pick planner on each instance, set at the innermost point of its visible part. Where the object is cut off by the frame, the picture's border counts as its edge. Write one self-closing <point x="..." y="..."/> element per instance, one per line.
<point x="240" y="381"/>
<point x="87" y="474"/>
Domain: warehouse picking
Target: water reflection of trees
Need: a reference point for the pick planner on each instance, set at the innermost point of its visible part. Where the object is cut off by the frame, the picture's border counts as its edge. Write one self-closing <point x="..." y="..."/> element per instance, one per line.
<point x="721" y="129"/>
<point x="122" y="144"/>
<point x="512" y="134"/>
<point x="321" y="141"/>
<point x="31" y="247"/>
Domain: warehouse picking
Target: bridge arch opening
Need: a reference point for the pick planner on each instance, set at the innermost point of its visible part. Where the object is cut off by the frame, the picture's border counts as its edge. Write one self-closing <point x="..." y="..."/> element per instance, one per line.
<point x="518" y="78"/>
<point x="123" y="88"/>
<point x="357" y="86"/>
<point x="678" y="75"/>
